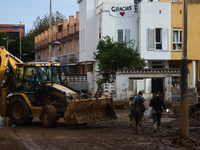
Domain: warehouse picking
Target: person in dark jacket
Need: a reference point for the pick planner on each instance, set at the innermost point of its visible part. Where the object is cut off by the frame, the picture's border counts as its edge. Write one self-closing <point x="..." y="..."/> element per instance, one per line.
<point x="157" y="103"/>
<point x="138" y="112"/>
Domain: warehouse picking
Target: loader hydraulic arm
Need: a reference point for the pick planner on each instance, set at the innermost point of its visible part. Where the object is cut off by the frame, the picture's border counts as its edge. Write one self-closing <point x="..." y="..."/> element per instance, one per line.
<point x="7" y="59"/>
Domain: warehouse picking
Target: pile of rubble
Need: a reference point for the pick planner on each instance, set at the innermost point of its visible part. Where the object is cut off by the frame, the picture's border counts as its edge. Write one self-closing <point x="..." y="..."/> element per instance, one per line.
<point x="194" y="111"/>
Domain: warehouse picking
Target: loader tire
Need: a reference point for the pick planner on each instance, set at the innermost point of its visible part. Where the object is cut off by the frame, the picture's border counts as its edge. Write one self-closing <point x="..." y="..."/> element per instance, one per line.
<point x="18" y="111"/>
<point x="49" y="116"/>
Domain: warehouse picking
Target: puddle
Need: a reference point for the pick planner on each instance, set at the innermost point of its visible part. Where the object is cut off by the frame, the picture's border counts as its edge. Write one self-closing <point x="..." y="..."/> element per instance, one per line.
<point x="191" y="128"/>
<point x="5" y="121"/>
<point x="1" y="122"/>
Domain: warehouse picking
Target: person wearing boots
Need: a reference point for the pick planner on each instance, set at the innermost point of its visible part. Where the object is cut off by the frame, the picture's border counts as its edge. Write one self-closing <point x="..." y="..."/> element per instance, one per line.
<point x="139" y="108"/>
<point x="157" y="103"/>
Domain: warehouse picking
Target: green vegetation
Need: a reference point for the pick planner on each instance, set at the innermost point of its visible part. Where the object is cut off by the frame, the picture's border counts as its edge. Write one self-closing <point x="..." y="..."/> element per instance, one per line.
<point x="112" y="55"/>
<point x="42" y="24"/>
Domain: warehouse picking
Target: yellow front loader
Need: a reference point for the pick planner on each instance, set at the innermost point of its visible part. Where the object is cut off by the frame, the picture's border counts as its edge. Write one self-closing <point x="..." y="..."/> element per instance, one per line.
<point x="35" y="89"/>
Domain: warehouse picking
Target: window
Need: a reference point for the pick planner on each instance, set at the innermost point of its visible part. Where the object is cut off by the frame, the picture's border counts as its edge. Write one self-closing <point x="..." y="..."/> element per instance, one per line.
<point x="64" y="47"/>
<point x="71" y="47"/>
<point x="45" y="54"/>
<point x="177" y="39"/>
<point x="13" y="35"/>
<point x="124" y="35"/>
<point x="159" y="39"/>
<point x="157" y="64"/>
<point x="41" y="54"/>
<point x="18" y="78"/>
<point x="54" y="52"/>
<point x="28" y="80"/>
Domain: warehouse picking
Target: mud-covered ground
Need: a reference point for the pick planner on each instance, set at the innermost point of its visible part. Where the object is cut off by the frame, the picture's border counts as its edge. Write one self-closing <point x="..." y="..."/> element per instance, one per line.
<point x="116" y="134"/>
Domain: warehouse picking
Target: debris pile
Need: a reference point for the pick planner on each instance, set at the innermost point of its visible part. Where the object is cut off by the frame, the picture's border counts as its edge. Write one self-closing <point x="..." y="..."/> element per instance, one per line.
<point x="194" y="111"/>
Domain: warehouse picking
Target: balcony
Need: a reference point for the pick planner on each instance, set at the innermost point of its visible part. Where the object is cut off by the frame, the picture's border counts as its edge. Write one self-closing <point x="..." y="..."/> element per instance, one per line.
<point x="66" y="59"/>
<point x="72" y="58"/>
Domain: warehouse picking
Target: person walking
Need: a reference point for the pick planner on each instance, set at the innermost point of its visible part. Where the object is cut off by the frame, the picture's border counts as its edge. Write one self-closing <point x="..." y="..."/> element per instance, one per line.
<point x="157" y="103"/>
<point x="138" y="110"/>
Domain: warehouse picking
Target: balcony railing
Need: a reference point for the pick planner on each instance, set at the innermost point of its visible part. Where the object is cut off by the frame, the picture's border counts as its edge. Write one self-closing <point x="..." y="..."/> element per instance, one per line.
<point x="71" y="58"/>
<point x="66" y="59"/>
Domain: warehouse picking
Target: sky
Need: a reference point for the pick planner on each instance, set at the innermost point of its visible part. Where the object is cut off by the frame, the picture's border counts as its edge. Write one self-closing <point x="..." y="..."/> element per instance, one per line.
<point x="26" y="11"/>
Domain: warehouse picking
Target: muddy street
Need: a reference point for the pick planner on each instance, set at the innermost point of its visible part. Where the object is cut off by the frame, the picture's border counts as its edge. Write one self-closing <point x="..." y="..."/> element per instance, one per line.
<point x="116" y="134"/>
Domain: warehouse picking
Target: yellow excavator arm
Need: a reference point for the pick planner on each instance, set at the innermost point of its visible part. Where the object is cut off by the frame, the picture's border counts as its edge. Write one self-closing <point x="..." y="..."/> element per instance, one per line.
<point x="7" y="59"/>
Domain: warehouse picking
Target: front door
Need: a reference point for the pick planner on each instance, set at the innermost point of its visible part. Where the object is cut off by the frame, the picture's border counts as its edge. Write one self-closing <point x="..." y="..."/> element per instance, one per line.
<point x="157" y="84"/>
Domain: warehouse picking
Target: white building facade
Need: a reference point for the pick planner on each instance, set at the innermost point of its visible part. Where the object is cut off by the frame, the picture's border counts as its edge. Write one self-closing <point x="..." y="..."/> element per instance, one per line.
<point x="148" y="24"/>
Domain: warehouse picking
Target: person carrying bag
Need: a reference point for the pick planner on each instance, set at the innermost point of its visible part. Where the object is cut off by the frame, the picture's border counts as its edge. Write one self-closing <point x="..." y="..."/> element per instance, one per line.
<point x="157" y="103"/>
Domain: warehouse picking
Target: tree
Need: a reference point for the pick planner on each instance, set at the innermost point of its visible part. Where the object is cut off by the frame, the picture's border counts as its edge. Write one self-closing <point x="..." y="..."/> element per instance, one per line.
<point x="41" y="25"/>
<point x="3" y="42"/>
<point x="111" y="56"/>
<point x="27" y="46"/>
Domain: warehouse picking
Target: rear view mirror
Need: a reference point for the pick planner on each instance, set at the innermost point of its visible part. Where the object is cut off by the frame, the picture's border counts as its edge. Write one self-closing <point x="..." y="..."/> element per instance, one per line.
<point x="34" y="71"/>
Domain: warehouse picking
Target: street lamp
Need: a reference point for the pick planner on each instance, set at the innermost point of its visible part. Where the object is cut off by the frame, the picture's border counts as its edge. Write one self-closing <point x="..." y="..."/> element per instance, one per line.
<point x="50" y="32"/>
<point x="20" y="45"/>
<point x="6" y="39"/>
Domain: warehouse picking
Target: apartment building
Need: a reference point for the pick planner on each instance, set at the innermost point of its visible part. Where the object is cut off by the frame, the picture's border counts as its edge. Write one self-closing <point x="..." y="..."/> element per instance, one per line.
<point x="193" y="37"/>
<point x="65" y="46"/>
<point x="12" y="31"/>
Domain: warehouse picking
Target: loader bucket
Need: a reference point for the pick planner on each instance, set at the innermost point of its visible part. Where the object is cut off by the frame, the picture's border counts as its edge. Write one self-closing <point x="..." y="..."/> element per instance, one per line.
<point x="89" y="110"/>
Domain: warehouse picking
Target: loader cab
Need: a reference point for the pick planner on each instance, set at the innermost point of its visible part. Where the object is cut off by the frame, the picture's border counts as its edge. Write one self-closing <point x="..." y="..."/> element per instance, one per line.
<point x="32" y="80"/>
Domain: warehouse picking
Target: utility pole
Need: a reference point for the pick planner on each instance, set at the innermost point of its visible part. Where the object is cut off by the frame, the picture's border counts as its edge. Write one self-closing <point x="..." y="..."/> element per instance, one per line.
<point x="50" y="32"/>
<point x="184" y="109"/>
<point x="20" y="44"/>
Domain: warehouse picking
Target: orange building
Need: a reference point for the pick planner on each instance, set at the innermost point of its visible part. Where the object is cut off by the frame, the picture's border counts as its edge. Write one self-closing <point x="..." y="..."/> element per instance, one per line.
<point x="65" y="46"/>
<point x="13" y="30"/>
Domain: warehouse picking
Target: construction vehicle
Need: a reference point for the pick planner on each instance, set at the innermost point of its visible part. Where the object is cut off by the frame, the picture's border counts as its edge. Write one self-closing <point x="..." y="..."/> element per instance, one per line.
<point x="35" y="89"/>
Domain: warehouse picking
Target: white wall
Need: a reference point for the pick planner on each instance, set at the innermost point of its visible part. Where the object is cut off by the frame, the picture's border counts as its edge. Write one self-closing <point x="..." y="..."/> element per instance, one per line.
<point x="111" y="24"/>
<point x="123" y="83"/>
<point x="122" y="86"/>
<point x="89" y="22"/>
<point x="88" y="40"/>
<point x="149" y="17"/>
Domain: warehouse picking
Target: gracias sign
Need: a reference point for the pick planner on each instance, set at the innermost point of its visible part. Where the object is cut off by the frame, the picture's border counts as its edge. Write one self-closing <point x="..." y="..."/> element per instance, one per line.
<point x="121" y="9"/>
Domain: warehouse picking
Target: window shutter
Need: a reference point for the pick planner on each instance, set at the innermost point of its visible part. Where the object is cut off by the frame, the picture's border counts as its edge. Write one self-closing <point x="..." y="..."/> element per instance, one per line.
<point x="151" y="39"/>
<point x="127" y="36"/>
<point x="165" y="39"/>
<point x="120" y="35"/>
